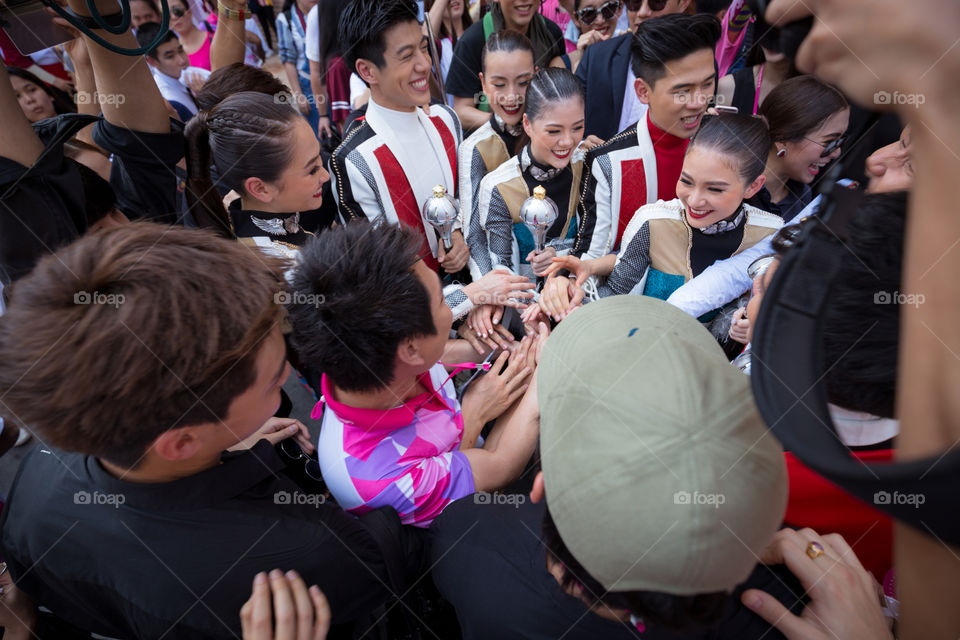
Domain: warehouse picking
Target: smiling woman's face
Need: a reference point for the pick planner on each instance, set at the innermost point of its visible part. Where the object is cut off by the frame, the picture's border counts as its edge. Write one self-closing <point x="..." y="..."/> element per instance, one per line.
<point x="803" y="160"/>
<point x="518" y="13"/>
<point x="556" y="132"/>
<point x="605" y="27"/>
<point x="505" y="79"/>
<point x="710" y="187"/>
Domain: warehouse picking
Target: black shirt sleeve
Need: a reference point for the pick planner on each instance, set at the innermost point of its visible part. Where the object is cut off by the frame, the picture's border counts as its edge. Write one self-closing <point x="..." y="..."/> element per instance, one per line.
<point x="144" y="174"/>
<point x="463" y="80"/>
<point x="41" y="207"/>
<point x="559" y="44"/>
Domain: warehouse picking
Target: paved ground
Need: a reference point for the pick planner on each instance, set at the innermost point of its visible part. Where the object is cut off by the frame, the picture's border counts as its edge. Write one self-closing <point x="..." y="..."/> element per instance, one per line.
<point x="302" y="405"/>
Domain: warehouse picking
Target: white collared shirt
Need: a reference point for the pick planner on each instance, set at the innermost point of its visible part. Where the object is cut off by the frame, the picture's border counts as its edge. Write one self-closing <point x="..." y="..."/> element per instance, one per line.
<point x="633" y="110"/>
<point x="173" y="90"/>
<point x="414" y="152"/>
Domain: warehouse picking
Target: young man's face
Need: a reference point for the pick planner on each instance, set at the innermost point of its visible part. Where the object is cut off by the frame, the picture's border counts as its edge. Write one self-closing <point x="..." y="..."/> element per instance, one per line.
<point x="253" y="407"/>
<point x="889" y="167"/>
<point x="171" y="59"/>
<point x="431" y="347"/>
<point x="403" y="82"/>
<point x="679" y="99"/>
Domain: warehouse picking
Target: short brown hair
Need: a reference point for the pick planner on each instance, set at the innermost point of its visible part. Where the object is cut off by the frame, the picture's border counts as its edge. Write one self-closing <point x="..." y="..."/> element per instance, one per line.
<point x="128" y="333"/>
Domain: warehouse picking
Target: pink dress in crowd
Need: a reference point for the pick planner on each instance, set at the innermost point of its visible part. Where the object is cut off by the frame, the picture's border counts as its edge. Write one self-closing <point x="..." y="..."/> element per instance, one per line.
<point x="201" y="57"/>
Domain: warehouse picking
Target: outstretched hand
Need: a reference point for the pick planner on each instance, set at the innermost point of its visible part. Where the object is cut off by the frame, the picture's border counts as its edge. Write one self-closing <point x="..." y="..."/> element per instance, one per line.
<point x="844" y="598"/>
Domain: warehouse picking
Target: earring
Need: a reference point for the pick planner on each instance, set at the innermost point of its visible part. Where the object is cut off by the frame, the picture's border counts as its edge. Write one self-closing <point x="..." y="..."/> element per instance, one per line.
<point x="781" y="153"/>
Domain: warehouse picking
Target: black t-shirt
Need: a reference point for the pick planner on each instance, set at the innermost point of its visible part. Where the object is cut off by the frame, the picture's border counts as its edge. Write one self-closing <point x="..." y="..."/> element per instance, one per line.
<point x="144" y="172"/>
<point x="177" y="559"/>
<point x="41" y="207"/>
<point x="491" y="565"/>
<point x="463" y="80"/>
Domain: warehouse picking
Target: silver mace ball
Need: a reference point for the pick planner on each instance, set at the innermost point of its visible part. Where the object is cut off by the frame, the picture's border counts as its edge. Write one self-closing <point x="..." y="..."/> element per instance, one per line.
<point x="539" y="213"/>
<point x="441" y="212"/>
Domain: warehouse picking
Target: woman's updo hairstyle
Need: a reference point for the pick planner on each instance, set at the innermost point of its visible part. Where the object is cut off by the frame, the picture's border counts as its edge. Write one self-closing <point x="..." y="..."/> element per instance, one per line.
<point x="549" y="86"/>
<point x="505" y="41"/>
<point x="248" y="134"/>
<point x="742" y="137"/>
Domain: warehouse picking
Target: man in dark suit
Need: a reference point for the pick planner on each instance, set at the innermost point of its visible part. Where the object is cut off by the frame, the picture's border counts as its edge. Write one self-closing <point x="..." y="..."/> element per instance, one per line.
<point x="610" y="84"/>
<point x="604" y="70"/>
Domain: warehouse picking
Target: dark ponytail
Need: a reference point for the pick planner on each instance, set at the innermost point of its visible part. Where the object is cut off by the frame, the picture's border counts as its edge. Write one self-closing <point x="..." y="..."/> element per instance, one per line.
<point x="246" y="135"/>
<point x="744" y="138"/>
<point x="549" y="86"/>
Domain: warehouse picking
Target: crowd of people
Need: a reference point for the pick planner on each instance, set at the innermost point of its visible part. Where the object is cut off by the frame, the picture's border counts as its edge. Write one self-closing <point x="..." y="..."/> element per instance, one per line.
<point x="543" y="416"/>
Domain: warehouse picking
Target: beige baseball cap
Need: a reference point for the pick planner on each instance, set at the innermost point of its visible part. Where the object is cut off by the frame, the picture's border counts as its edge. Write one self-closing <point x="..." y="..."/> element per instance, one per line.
<point x="659" y="473"/>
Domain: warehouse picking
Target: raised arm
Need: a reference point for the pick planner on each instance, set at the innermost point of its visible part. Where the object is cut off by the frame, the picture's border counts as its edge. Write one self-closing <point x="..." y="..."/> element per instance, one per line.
<point x="129" y="97"/>
<point x="437" y="13"/>
<point x="229" y="41"/>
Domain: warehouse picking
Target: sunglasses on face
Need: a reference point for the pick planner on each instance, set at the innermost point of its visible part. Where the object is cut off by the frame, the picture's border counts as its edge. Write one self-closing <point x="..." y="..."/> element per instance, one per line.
<point x="655" y="5"/>
<point x="829" y="147"/>
<point x="178" y="12"/>
<point x="608" y="10"/>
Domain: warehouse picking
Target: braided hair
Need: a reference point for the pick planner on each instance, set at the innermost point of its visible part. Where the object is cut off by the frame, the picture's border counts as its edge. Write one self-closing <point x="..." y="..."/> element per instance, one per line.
<point x="549" y="86"/>
<point x="248" y="134"/>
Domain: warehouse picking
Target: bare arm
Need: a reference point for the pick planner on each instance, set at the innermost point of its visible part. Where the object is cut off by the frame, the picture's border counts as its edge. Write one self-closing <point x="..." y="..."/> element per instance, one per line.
<point x="510" y="445"/>
<point x="18" y="142"/>
<point x="470" y="117"/>
<point x="128" y="94"/>
<point x="230" y="40"/>
<point x="86" y="85"/>
<point x="849" y="40"/>
<point x="319" y="89"/>
<point x="437" y="13"/>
